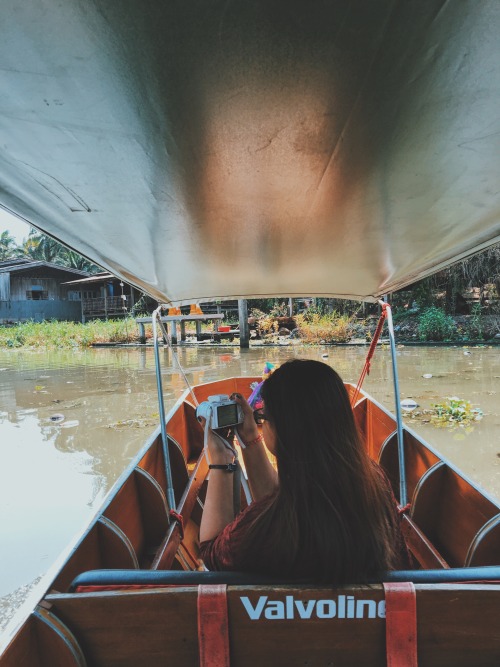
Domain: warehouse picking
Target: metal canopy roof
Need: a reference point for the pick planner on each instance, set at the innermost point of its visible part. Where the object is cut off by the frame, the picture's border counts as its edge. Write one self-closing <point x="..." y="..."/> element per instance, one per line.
<point x="268" y="147"/>
<point x="28" y="265"/>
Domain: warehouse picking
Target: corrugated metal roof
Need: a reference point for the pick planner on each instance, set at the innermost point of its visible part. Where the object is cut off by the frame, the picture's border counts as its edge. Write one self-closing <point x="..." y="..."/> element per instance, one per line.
<point x="17" y="265"/>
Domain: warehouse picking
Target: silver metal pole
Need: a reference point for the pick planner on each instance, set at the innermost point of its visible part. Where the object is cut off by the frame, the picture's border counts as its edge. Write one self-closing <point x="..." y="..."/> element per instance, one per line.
<point x="399" y="417"/>
<point x="161" y="409"/>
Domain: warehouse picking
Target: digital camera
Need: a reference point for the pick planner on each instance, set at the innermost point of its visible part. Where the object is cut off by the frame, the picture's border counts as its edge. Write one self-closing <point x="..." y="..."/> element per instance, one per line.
<point x="220" y="412"/>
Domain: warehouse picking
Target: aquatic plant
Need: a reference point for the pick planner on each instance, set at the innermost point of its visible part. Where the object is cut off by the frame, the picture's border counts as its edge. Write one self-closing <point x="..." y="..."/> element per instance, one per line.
<point x="455" y="411"/>
<point x="450" y="413"/>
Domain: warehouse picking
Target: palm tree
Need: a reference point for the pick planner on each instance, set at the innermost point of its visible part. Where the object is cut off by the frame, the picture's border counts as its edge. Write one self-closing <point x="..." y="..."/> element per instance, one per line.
<point x="42" y="247"/>
<point x="76" y="261"/>
<point x="8" y="245"/>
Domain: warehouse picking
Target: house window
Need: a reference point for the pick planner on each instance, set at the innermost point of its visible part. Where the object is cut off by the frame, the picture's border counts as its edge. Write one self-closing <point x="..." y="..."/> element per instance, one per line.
<point x="37" y="293"/>
<point x="74" y="295"/>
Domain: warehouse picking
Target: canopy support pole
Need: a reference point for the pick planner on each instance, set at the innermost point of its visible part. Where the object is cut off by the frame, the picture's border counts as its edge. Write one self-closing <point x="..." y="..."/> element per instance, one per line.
<point x="399" y="417"/>
<point x="161" y="409"/>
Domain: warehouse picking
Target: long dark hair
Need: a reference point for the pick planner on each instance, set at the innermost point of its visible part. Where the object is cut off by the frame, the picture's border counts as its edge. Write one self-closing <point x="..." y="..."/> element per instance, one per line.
<point x="333" y="511"/>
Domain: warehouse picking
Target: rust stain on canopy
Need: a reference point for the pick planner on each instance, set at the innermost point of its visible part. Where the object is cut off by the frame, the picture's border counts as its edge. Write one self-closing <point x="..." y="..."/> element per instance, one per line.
<point x="273" y="147"/>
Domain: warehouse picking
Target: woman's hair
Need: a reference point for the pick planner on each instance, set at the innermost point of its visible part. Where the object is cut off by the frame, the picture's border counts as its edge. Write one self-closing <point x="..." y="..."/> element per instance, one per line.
<point x="333" y="509"/>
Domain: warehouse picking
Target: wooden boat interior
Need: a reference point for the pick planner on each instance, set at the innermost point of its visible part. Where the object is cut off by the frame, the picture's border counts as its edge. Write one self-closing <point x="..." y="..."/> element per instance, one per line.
<point x="136" y="571"/>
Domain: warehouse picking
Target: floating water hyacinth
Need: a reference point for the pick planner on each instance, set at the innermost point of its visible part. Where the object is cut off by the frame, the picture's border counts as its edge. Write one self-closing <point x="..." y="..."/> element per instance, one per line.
<point x="456" y="411"/>
<point x="451" y="413"/>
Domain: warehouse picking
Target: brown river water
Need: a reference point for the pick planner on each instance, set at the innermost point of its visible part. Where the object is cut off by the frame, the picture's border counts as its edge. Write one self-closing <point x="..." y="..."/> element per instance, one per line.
<point x="70" y="422"/>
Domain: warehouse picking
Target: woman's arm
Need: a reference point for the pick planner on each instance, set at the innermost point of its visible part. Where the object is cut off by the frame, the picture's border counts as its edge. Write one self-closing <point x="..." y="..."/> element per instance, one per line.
<point x="262" y="477"/>
<point x="218" y="507"/>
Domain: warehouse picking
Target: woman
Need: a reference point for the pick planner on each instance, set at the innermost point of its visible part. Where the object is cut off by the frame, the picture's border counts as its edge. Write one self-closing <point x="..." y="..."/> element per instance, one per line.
<point x="328" y="514"/>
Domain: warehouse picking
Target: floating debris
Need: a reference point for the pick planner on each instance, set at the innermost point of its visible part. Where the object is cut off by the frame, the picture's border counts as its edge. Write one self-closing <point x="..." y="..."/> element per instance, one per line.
<point x="140" y="422"/>
<point x="56" y="418"/>
<point x="70" y="424"/>
<point x="409" y="404"/>
<point x="427" y="376"/>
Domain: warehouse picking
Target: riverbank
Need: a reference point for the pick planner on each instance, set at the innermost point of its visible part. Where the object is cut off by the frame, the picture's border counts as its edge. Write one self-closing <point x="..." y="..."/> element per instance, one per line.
<point x="428" y="328"/>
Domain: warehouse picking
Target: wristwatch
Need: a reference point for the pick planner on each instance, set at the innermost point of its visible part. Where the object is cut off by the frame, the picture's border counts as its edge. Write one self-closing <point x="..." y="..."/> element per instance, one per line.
<point x="228" y="467"/>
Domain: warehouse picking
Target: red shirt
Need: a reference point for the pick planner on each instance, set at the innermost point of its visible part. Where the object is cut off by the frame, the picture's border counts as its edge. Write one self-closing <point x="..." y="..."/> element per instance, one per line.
<point x="226" y="550"/>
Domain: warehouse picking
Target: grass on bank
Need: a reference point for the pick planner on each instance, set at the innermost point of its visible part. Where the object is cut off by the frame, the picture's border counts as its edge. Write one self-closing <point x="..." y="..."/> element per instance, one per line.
<point x="56" y="334"/>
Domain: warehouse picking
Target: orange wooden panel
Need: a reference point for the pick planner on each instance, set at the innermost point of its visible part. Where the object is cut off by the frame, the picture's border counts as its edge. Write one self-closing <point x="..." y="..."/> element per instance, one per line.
<point x="374" y="425"/>
<point x="86" y="556"/>
<point x="227" y="386"/>
<point x="450" y="511"/>
<point x="125" y="511"/>
<point x="418" y="459"/>
<point x="56" y="644"/>
<point x="154" y="510"/>
<point x="116" y="549"/>
<point x="23" y="649"/>
<point x="485" y="548"/>
<point x="153" y="462"/>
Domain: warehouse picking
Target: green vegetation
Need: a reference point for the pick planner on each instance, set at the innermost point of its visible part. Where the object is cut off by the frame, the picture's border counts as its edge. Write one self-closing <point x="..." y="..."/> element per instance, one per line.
<point x="455" y="411"/>
<point x="41" y="247"/>
<point x="334" y="327"/>
<point x="434" y="324"/>
<point x="452" y="412"/>
<point x="68" y="334"/>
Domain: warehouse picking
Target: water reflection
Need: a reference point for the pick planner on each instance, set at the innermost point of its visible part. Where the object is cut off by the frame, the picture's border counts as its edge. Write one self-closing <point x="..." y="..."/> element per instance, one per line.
<point x="55" y="474"/>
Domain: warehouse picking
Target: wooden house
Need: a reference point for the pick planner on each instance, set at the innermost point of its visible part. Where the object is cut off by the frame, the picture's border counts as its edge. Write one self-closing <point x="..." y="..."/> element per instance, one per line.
<point x="102" y="295"/>
<point x="35" y="290"/>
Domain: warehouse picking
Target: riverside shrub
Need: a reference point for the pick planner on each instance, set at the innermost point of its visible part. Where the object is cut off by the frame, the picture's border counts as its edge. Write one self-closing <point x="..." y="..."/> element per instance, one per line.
<point x="328" y="328"/>
<point x="435" y="324"/>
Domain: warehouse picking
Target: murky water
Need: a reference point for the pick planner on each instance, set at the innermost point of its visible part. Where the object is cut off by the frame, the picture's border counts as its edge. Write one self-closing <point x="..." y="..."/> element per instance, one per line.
<point x="71" y="421"/>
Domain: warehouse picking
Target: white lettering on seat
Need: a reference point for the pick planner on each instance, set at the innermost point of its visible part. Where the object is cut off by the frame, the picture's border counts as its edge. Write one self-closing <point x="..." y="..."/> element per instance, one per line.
<point x="343" y="607"/>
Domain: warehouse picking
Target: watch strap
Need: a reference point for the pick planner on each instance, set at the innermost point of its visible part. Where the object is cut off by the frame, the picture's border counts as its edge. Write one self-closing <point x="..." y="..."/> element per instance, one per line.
<point x="228" y="467"/>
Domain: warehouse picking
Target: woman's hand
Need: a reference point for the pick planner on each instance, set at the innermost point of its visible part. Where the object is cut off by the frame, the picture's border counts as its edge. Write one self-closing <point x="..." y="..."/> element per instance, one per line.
<point x="248" y="430"/>
<point x="217" y="451"/>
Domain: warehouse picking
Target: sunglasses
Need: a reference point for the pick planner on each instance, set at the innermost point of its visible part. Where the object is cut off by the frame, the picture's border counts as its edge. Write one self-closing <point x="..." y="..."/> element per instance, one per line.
<point x="260" y="417"/>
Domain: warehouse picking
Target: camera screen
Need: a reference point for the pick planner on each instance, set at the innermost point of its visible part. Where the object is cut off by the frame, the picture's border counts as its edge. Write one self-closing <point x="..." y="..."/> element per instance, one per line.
<point x="227" y="415"/>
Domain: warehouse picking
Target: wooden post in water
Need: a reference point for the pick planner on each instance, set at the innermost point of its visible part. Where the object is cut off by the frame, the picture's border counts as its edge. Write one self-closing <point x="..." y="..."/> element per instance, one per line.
<point x="244" y="328"/>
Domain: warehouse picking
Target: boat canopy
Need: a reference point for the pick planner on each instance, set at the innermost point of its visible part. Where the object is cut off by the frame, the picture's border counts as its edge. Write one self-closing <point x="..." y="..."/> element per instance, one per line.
<point x="227" y="149"/>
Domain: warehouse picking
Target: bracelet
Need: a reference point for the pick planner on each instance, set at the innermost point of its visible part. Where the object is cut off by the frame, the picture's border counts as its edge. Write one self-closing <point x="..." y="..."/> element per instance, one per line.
<point x="228" y="467"/>
<point x="252" y="442"/>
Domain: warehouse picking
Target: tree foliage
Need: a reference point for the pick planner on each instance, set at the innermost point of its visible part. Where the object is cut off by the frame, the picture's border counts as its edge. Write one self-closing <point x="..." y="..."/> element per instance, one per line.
<point x="40" y="247"/>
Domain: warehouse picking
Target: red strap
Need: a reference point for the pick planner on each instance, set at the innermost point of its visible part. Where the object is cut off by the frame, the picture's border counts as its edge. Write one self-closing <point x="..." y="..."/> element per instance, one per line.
<point x="180" y="520"/>
<point x="401" y="624"/>
<point x="213" y="627"/>
<point x="371" y="352"/>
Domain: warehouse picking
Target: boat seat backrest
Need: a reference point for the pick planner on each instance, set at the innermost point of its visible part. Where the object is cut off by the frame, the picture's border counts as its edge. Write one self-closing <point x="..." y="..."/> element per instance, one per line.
<point x="128" y="577"/>
<point x="278" y="624"/>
